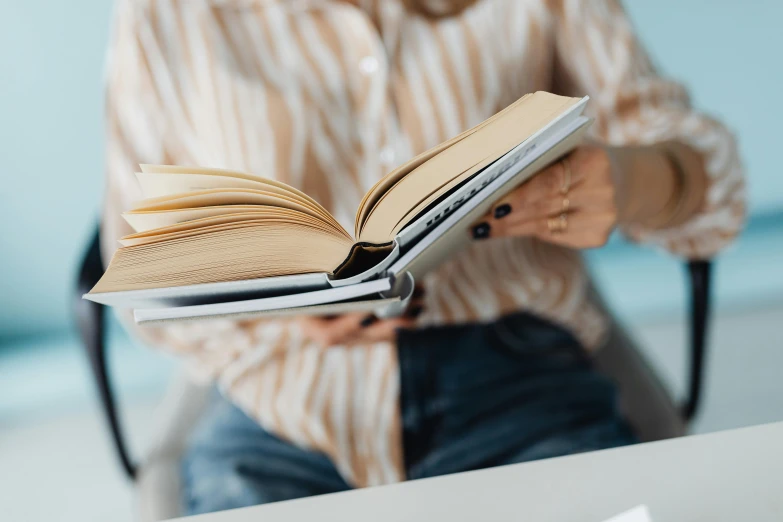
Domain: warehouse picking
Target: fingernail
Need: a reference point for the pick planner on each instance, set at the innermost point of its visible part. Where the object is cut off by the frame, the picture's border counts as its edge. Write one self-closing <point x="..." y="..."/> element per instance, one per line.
<point x="415" y="312"/>
<point x="481" y="231"/>
<point x="418" y="292"/>
<point x="502" y="211"/>
<point x="367" y="321"/>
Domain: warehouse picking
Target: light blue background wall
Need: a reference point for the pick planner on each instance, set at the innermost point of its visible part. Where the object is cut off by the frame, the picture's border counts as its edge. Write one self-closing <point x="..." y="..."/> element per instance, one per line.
<point x="730" y="54"/>
<point x="51" y="60"/>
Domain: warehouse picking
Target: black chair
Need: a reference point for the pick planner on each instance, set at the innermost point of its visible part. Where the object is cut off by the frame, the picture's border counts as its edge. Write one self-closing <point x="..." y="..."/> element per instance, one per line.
<point x="91" y="320"/>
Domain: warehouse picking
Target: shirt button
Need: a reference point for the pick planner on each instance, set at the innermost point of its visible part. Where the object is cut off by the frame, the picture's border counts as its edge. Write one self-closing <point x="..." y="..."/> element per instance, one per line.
<point x="387" y="156"/>
<point x="368" y="64"/>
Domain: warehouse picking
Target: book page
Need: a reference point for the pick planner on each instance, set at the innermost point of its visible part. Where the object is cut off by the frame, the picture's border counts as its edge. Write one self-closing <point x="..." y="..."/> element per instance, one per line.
<point x="143" y="222"/>
<point x="222" y="197"/>
<point x="426" y="183"/>
<point x="165" y="180"/>
<point x="231" y="254"/>
<point x="156" y="185"/>
<point x="384" y="184"/>
<point x="223" y="173"/>
<point x="223" y="222"/>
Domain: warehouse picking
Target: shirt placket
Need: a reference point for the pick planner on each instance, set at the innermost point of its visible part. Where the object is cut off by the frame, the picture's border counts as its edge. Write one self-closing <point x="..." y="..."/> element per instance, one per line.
<point x="376" y="117"/>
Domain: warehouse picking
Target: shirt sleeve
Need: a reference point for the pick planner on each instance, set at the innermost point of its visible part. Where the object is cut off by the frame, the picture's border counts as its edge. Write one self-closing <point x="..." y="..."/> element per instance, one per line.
<point x="598" y="54"/>
<point x="139" y="130"/>
<point x="135" y="124"/>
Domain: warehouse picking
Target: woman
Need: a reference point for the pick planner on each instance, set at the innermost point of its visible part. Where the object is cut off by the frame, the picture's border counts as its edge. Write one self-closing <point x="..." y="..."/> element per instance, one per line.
<point x="491" y="365"/>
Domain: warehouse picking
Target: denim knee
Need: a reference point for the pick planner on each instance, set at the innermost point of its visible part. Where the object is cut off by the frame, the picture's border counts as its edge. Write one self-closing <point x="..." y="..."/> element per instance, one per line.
<point x="214" y="482"/>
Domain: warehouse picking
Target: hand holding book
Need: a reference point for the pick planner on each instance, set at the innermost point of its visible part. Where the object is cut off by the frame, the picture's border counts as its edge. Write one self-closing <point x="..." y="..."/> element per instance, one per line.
<point x="361" y="328"/>
<point x="570" y="203"/>
<point x="577" y="193"/>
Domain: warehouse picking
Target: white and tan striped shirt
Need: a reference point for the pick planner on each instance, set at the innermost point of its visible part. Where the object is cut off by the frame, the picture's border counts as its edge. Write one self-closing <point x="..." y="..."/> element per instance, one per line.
<point x="328" y="95"/>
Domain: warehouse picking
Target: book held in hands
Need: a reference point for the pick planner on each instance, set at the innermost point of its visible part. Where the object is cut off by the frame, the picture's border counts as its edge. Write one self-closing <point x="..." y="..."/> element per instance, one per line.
<point x="216" y="243"/>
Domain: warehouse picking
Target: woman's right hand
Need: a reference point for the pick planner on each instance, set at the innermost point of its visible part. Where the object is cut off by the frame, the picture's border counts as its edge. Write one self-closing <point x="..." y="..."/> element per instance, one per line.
<point x="360" y="328"/>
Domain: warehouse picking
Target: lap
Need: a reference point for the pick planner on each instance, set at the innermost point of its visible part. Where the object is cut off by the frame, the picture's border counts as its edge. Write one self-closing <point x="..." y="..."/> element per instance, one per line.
<point x="597" y="435"/>
<point x="232" y="462"/>
<point x="472" y="397"/>
<point x="514" y="391"/>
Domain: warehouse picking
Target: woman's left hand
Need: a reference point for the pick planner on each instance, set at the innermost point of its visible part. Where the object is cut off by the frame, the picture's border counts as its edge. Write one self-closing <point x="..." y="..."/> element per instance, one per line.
<point x="570" y="203"/>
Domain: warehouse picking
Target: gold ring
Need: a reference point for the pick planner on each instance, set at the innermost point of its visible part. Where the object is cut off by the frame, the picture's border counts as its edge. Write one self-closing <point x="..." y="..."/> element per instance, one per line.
<point x="558" y="224"/>
<point x="566" y="186"/>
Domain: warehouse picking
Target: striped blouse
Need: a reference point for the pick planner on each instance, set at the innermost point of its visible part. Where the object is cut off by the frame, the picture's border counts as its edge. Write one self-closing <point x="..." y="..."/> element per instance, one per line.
<point x="328" y="95"/>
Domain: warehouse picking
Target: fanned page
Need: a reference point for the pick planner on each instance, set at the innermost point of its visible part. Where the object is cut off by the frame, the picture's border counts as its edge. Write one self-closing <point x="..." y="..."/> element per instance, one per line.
<point x="249" y="250"/>
<point x="222" y="177"/>
<point x="207" y="225"/>
<point x="196" y="227"/>
<point x="452" y="165"/>
<point x="162" y="182"/>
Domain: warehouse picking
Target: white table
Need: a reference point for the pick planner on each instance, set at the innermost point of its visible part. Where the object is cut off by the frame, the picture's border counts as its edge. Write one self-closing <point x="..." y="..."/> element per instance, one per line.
<point x="734" y="475"/>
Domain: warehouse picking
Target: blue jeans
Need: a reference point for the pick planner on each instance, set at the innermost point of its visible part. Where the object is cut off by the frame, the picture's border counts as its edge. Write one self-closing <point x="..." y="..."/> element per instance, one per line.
<point x="472" y="397"/>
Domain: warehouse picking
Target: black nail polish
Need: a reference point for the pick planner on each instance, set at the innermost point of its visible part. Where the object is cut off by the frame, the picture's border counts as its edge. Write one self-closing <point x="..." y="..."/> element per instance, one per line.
<point x="481" y="231"/>
<point x="367" y="321"/>
<point x="415" y="312"/>
<point x="502" y="211"/>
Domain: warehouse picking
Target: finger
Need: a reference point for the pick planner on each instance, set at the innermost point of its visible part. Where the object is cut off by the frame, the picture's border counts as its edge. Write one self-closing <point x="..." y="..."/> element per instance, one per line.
<point x="582" y="227"/>
<point x="597" y="199"/>
<point x="555" y="180"/>
<point x="520" y="197"/>
<point x="383" y="331"/>
<point x="315" y="321"/>
<point x="414" y="309"/>
<point x="541" y="196"/>
<point x="584" y="230"/>
<point x="329" y="332"/>
<point x="314" y="328"/>
<point x="351" y="328"/>
<point x="581" y="222"/>
<point x="379" y="329"/>
<point x="516" y="227"/>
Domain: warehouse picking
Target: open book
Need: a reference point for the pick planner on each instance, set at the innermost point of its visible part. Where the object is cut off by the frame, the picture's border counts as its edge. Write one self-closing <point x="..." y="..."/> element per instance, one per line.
<point x="212" y="242"/>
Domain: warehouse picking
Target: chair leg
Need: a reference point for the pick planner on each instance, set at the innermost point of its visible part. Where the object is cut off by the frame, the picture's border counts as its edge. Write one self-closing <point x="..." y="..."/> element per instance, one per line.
<point x="699" y="273"/>
<point x="97" y="355"/>
<point x="90" y="317"/>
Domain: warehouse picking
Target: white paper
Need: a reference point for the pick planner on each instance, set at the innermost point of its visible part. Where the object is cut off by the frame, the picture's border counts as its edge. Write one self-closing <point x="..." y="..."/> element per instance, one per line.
<point x="637" y="514"/>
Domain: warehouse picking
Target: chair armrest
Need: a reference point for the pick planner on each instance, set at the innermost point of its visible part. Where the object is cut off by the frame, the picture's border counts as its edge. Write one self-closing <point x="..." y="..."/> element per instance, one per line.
<point x="159" y="481"/>
<point x="90" y="318"/>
